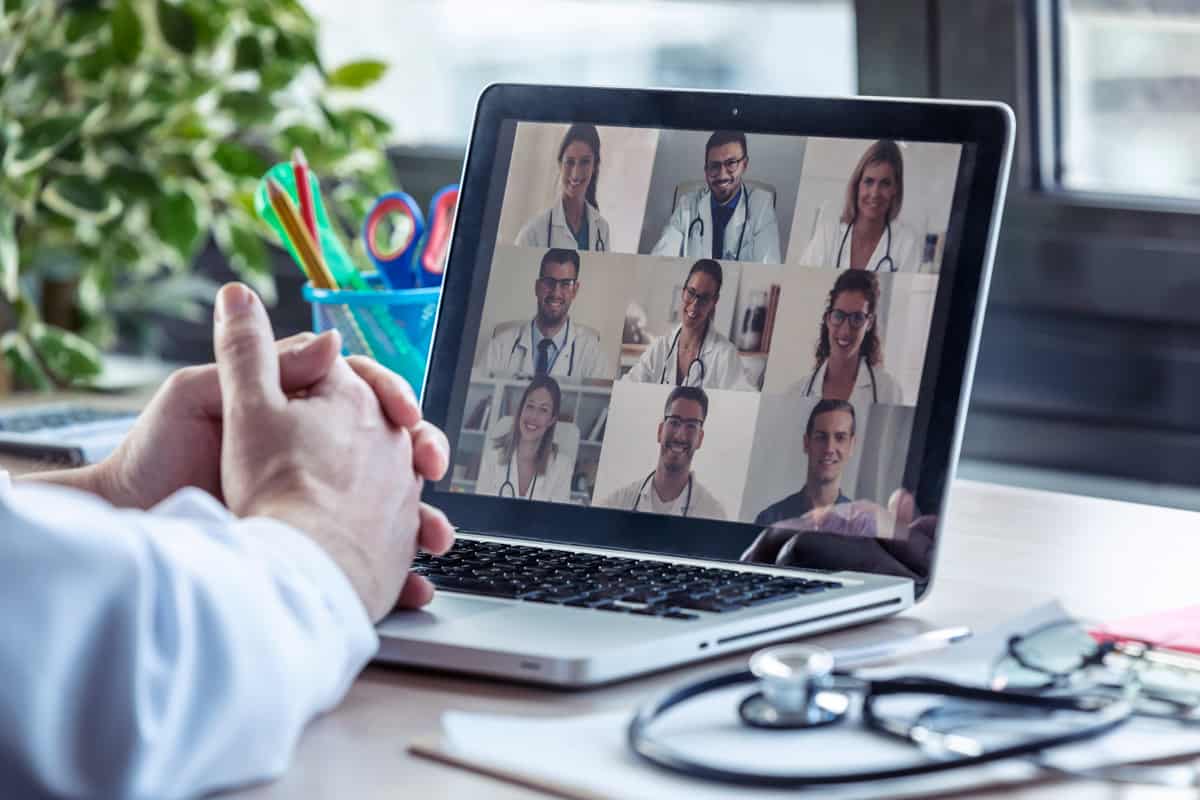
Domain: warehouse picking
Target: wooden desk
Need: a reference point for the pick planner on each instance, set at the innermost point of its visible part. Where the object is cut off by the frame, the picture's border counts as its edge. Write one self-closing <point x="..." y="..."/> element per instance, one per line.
<point x="1006" y="549"/>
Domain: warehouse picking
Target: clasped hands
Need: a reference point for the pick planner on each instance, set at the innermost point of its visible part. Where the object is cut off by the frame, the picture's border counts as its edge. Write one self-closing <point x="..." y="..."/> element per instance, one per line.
<point x="335" y="447"/>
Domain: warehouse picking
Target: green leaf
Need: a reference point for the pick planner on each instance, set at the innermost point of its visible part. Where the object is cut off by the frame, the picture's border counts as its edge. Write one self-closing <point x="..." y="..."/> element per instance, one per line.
<point x="132" y="181"/>
<point x="40" y="143"/>
<point x="357" y="74"/>
<point x="84" y="23"/>
<point x="177" y="26"/>
<point x="239" y="160"/>
<point x="175" y="220"/>
<point x="67" y="356"/>
<point x="79" y="198"/>
<point x="127" y="33"/>
<point x="23" y="363"/>
<point x="9" y="257"/>
<point x="247" y="53"/>
<point x="249" y="107"/>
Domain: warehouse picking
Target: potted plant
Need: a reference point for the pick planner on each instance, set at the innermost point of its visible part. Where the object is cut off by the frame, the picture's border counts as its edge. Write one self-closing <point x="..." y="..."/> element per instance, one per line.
<point x="132" y="131"/>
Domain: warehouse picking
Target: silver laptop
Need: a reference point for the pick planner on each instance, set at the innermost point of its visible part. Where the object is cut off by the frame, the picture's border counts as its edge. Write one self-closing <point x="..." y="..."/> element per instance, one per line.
<point x="704" y="361"/>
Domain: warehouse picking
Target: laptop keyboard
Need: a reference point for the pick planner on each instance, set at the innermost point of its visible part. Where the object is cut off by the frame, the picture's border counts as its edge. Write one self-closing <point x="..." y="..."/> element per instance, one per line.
<point x="43" y="419"/>
<point x="605" y="583"/>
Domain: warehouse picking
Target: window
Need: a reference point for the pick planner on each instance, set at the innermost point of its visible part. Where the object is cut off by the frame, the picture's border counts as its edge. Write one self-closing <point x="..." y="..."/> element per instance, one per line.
<point x="443" y="52"/>
<point x="1129" y="96"/>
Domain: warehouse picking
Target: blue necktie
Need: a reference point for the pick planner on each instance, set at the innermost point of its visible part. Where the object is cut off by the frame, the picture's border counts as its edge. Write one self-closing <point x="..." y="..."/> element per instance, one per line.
<point x="542" y="366"/>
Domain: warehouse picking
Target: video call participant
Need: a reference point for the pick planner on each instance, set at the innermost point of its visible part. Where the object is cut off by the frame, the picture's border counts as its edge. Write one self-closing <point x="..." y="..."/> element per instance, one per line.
<point x="672" y="488"/>
<point x="693" y="354"/>
<point x="726" y="219"/>
<point x="828" y="443"/>
<point x="550" y="343"/>
<point x="524" y="462"/>
<point x="849" y="351"/>
<point x="574" y="221"/>
<point x="867" y="234"/>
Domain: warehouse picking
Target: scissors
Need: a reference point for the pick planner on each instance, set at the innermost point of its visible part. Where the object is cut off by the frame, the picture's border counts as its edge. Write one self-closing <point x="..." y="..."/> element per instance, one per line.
<point x="415" y="256"/>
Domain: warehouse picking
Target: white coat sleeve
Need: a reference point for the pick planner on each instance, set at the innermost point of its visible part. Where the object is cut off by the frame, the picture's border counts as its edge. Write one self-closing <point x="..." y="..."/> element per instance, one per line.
<point x="533" y="234"/>
<point x="672" y="235"/>
<point x="644" y="370"/>
<point x="766" y="239"/>
<point x="593" y="363"/>
<point x="495" y="359"/>
<point x="166" y="653"/>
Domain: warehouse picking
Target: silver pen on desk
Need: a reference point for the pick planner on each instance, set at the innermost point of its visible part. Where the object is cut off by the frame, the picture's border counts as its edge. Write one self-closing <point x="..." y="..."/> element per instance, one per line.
<point x="845" y="658"/>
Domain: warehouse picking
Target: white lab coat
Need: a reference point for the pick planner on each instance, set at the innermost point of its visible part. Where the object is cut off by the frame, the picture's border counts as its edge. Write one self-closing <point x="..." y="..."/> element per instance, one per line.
<point x="703" y="505"/>
<point x="511" y="351"/>
<point x="760" y="242"/>
<point x="555" y="219"/>
<point x="554" y="486"/>
<point x="164" y="653"/>
<point x="822" y="250"/>
<point x="885" y="388"/>
<point x="722" y="366"/>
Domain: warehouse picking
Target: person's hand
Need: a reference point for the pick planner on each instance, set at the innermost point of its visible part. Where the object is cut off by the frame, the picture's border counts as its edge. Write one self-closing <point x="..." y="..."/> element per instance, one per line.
<point x="331" y="463"/>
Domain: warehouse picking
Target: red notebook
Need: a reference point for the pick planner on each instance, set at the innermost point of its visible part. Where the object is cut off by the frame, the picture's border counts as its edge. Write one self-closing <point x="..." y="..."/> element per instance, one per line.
<point x="1178" y="629"/>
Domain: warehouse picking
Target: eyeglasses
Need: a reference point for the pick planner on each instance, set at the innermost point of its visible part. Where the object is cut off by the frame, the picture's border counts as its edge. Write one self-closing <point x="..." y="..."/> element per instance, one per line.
<point x="566" y="284"/>
<point x="856" y="319"/>
<point x="690" y="295"/>
<point x="730" y="164"/>
<point x="689" y="425"/>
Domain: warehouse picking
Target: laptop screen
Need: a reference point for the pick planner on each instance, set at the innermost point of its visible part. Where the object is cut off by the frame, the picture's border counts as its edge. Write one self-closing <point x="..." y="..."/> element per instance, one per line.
<point x="717" y="325"/>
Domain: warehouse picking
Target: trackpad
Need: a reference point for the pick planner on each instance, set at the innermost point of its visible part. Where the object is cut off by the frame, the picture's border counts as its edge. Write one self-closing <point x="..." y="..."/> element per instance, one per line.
<point x="444" y="608"/>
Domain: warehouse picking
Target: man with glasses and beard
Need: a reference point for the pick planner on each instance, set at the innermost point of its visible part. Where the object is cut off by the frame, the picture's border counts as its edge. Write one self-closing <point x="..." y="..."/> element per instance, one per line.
<point x="725" y="219"/>
<point x="672" y="488"/>
<point x="551" y="343"/>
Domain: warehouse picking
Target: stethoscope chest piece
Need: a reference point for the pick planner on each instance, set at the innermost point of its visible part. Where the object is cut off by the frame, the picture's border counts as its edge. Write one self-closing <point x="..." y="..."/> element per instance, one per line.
<point x="796" y="689"/>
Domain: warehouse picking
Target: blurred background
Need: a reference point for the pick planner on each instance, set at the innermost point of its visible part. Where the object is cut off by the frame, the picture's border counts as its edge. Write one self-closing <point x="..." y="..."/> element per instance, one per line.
<point x="1089" y="372"/>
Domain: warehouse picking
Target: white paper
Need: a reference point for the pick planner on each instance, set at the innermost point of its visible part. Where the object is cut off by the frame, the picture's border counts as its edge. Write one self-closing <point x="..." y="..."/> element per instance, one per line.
<point x="590" y="754"/>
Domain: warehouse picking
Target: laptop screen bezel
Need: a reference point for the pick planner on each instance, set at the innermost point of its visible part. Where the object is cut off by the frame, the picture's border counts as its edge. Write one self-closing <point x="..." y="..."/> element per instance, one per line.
<point x="984" y="127"/>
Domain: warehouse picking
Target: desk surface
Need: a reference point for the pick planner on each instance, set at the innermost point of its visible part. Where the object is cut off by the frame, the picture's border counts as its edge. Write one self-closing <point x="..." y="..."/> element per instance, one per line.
<point x="1006" y="549"/>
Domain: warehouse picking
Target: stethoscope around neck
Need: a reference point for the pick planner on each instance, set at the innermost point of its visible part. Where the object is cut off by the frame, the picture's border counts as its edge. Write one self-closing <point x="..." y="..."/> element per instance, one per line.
<point x="600" y="244"/>
<point x="532" y="347"/>
<point x="697" y="361"/>
<point x="508" y="484"/>
<point x="687" y="503"/>
<point x="799" y="689"/>
<point x="887" y="255"/>
<point x="812" y="380"/>
<point x="696" y="220"/>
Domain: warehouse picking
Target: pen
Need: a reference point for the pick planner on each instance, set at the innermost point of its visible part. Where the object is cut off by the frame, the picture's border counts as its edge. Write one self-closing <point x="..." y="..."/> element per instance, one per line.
<point x="304" y="194"/>
<point x="303" y="246"/>
<point x="898" y="648"/>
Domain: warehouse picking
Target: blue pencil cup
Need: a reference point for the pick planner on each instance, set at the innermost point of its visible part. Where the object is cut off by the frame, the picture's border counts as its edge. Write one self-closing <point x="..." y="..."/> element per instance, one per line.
<point x="393" y="327"/>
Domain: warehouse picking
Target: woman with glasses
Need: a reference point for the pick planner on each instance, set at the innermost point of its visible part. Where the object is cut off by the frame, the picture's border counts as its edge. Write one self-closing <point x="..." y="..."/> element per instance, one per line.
<point x="523" y="461"/>
<point x="849" y="363"/>
<point x="867" y="235"/>
<point x="726" y="218"/>
<point x="693" y="354"/>
<point x="574" y="221"/>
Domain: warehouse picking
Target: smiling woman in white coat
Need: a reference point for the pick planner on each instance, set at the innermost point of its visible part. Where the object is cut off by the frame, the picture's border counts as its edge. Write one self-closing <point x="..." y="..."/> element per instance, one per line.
<point x="524" y="462"/>
<point x="693" y="354"/>
<point x="574" y="221"/>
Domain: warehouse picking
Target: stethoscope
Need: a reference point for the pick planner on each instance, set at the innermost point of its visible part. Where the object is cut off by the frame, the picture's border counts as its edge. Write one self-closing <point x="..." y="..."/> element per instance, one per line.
<point x="558" y="352"/>
<point x="697" y="361"/>
<point x="800" y="690"/>
<point x="737" y="255"/>
<point x="870" y="371"/>
<point x="687" y="503"/>
<point x="508" y="484"/>
<point x="887" y="256"/>
<point x="600" y="245"/>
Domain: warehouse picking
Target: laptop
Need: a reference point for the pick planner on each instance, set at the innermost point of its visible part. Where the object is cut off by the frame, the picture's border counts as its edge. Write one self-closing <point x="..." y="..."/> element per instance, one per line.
<point x="703" y="360"/>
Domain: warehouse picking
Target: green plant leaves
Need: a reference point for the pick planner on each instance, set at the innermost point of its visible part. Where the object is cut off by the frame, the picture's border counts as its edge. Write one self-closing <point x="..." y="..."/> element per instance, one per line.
<point x="247" y="53"/>
<point x="9" y="258"/>
<point x="39" y="143"/>
<point x="177" y="26"/>
<point x="66" y="356"/>
<point x="23" y="362"/>
<point x="175" y="219"/>
<point x="357" y="74"/>
<point x="82" y="199"/>
<point x="127" y="32"/>
<point x="239" y="160"/>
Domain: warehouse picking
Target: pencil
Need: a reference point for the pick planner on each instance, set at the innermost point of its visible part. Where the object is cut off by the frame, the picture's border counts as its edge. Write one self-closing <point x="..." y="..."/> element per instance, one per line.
<point x="303" y="246"/>
<point x="304" y="194"/>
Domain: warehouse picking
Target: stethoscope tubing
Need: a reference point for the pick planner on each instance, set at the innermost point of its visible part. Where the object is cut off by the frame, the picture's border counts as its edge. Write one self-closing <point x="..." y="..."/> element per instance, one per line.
<point x="887" y="255"/>
<point x="870" y="371"/>
<point x="658" y="754"/>
<point x="662" y="379"/>
<point x="696" y="220"/>
<point x="508" y="480"/>
<point x="566" y="337"/>
<point x="600" y="245"/>
<point x="687" y="504"/>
